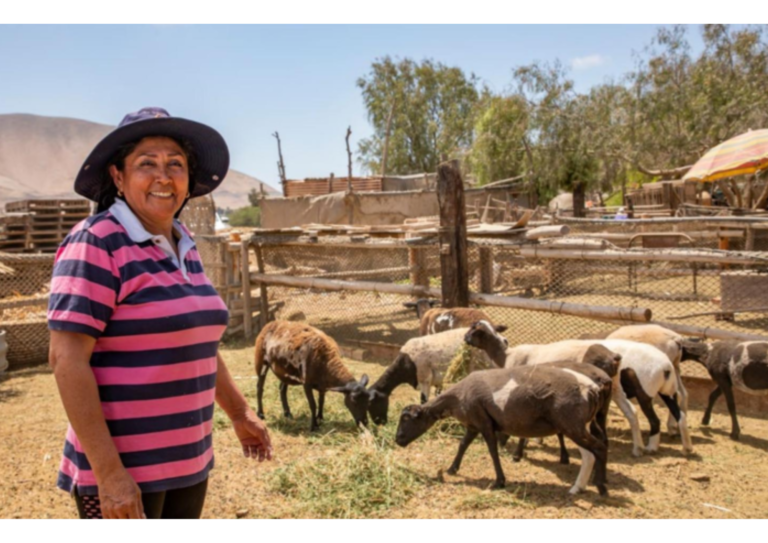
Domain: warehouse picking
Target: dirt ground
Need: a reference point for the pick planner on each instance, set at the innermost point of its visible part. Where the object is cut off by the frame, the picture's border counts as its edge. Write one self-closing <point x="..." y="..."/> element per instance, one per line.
<point x="339" y="472"/>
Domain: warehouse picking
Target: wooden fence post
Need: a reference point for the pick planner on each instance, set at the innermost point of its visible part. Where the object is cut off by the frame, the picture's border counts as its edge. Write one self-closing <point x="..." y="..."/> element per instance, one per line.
<point x="417" y="262"/>
<point x="453" y="235"/>
<point x="486" y="270"/>
<point x="264" y="312"/>
<point x="245" y="280"/>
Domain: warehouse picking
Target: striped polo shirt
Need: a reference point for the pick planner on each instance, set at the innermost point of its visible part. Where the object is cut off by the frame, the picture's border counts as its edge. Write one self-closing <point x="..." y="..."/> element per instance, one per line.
<point x="157" y="321"/>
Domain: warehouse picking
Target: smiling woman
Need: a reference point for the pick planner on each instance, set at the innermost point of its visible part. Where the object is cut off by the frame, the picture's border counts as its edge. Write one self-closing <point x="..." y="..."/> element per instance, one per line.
<point x="135" y="327"/>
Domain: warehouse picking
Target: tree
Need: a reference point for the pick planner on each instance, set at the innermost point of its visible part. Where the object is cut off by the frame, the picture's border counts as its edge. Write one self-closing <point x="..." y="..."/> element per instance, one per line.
<point x="498" y="151"/>
<point x="245" y="216"/>
<point x="254" y="197"/>
<point x="433" y="115"/>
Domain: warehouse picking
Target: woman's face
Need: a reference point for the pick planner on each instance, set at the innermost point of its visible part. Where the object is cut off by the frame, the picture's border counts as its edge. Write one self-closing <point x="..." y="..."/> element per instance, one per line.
<point x="154" y="180"/>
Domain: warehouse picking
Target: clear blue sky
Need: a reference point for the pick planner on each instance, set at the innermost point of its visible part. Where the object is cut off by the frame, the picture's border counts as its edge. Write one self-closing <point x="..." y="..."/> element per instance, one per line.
<point x="248" y="81"/>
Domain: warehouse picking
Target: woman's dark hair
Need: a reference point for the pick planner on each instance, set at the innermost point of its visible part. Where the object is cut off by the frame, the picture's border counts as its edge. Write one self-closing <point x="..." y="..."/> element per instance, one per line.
<point x="108" y="191"/>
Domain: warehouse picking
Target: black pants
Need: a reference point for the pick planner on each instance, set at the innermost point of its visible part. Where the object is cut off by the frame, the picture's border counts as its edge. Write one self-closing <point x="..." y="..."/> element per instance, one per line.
<point x="180" y="503"/>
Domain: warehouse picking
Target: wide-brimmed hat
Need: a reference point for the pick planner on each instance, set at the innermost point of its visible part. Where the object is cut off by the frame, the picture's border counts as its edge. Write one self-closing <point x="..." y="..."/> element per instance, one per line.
<point x="211" y="152"/>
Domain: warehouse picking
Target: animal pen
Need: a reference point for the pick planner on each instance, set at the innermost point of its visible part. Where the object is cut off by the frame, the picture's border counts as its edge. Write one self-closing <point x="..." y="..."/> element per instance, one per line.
<point x="353" y="285"/>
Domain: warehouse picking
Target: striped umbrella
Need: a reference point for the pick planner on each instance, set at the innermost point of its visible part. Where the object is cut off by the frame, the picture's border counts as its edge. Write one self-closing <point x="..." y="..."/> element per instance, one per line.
<point x="741" y="155"/>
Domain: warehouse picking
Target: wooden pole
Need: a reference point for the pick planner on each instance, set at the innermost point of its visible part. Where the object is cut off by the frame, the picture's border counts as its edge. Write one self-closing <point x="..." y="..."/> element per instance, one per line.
<point x="664" y="255"/>
<point x="486" y="270"/>
<point x="418" y="266"/>
<point x="264" y="312"/>
<point x="349" y="161"/>
<point x="452" y="235"/>
<point x="623" y="314"/>
<point x="281" y="163"/>
<point x="330" y="183"/>
<point x="246" y="283"/>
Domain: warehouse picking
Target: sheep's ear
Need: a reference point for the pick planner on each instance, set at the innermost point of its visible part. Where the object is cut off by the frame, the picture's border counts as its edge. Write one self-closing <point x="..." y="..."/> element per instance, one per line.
<point x="410" y="305"/>
<point x="363" y="381"/>
<point x="500" y="328"/>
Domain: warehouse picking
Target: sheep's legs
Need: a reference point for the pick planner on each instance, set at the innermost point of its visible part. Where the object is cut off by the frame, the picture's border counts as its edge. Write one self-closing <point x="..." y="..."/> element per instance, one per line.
<point x="284" y="400"/>
<point x="424" y="387"/>
<point x="466" y="441"/>
<point x="629" y="412"/>
<point x="646" y="404"/>
<point x="493" y="447"/>
<point x="735" y="430"/>
<point x="713" y="396"/>
<point x="682" y="401"/>
<point x="682" y="420"/>
<point x="320" y="405"/>
<point x="593" y="455"/>
<point x="312" y="407"/>
<point x="260" y="392"/>
<point x="564" y="458"/>
<point x="521" y="443"/>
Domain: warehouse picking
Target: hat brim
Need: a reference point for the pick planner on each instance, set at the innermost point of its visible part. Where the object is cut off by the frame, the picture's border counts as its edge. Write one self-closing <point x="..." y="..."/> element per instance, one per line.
<point x="211" y="152"/>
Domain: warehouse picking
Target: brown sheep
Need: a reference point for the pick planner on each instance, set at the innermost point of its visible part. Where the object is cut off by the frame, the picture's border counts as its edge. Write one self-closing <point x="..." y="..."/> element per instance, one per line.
<point x="299" y="354"/>
<point x="440" y="319"/>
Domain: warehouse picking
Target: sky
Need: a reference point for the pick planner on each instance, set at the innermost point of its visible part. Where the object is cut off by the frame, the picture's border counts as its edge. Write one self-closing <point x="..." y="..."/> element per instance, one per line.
<point x="250" y="81"/>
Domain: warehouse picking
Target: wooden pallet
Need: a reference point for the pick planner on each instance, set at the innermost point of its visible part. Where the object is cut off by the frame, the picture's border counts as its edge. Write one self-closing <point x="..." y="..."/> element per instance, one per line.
<point x="68" y="205"/>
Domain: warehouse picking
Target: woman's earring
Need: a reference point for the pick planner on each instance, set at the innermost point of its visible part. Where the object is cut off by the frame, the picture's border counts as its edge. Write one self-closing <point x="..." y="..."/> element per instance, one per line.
<point x="120" y="193"/>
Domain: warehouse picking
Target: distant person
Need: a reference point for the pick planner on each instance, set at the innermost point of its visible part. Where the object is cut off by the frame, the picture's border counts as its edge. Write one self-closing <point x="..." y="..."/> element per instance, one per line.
<point x="621" y="214"/>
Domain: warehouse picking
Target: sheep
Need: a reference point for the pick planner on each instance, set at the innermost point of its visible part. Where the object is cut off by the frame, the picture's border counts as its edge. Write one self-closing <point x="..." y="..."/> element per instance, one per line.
<point x="299" y="354"/>
<point x="668" y="342"/>
<point x="652" y="374"/>
<point x="524" y="402"/>
<point x="421" y="363"/>
<point x="731" y="364"/>
<point x="433" y="320"/>
<point x="607" y="362"/>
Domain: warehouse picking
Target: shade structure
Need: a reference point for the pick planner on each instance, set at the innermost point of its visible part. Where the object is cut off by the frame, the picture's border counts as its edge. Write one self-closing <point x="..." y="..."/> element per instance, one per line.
<point x="744" y="154"/>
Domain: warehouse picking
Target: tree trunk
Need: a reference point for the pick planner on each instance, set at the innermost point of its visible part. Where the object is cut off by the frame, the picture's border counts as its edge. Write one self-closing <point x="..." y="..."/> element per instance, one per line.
<point x="386" y="137"/>
<point x="453" y="235"/>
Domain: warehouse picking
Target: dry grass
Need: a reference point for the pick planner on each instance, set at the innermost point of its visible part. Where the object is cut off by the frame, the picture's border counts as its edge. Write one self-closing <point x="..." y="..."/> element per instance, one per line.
<point x="339" y="472"/>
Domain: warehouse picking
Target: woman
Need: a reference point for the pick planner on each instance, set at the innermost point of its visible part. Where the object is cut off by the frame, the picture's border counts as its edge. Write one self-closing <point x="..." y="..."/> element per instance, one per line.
<point x="135" y="326"/>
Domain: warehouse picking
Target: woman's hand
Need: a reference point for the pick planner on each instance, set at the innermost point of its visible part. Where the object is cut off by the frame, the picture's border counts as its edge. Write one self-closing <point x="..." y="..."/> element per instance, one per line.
<point x="253" y="436"/>
<point x="120" y="496"/>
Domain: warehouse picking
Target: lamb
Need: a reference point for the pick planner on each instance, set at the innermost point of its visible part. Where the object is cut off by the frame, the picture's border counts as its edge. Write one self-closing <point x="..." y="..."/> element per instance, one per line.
<point x="438" y="319"/>
<point x="652" y="373"/>
<point x="299" y="354"/>
<point x="421" y="363"/>
<point x="731" y="364"/>
<point x="668" y="342"/>
<point x="521" y="401"/>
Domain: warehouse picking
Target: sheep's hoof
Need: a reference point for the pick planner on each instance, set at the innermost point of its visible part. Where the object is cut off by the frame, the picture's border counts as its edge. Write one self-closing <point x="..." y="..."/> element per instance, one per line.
<point x="705" y="421"/>
<point x="499" y="485"/>
<point x="673" y="430"/>
<point x="314" y="428"/>
<point x="288" y="415"/>
<point x="602" y="490"/>
<point x="452" y="471"/>
<point x="565" y="460"/>
<point x="517" y="458"/>
<point x="575" y="489"/>
<point x="260" y="415"/>
<point x="735" y="436"/>
<point x="637" y="452"/>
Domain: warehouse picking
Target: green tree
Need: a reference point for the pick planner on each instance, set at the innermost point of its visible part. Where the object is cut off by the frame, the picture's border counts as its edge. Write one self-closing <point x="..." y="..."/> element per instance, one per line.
<point x="433" y="114"/>
<point x="254" y="198"/>
<point x="245" y="216"/>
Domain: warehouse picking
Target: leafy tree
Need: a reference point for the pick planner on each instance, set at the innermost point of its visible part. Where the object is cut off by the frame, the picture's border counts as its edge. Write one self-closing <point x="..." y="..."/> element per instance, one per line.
<point x="245" y="216"/>
<point x="254" y="198"/>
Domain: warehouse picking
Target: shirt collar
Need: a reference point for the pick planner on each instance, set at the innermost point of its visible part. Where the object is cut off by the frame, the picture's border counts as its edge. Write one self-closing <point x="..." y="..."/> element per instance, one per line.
<point x="135" y="229"/>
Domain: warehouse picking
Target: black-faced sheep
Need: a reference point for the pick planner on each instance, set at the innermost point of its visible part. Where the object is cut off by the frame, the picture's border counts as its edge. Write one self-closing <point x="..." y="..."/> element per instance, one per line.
<point x="422" y="363"/>
<point x="299" y="354"/>
<point x="731" y="364"/>
<point x="523" y="402"/>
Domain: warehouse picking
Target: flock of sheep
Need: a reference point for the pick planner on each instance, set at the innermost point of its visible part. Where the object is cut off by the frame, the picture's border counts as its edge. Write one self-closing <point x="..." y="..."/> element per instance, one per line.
<point x="527" y="391"/>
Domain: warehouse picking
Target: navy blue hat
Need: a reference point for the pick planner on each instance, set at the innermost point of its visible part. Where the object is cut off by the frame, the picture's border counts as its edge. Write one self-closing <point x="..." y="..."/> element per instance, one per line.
<point x="209" y="146"/>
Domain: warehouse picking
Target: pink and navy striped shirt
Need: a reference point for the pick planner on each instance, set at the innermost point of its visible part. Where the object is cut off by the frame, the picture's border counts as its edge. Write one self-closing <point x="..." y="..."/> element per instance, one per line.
<point x="157" y="323"/>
